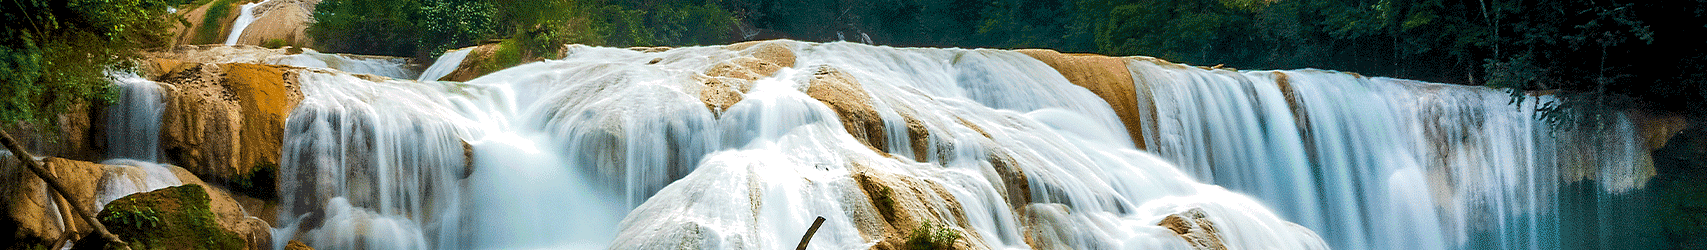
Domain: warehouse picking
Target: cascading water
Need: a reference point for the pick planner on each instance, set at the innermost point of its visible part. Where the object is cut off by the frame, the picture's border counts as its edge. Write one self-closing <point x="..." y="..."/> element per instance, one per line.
<point x="616" y="147"/>
<point x="244" y="17"/>
<point x="1382" y="163"/>
<point x="444" y="65"/>
<point x="133" y="124"/>
<point x="388" y="67"/>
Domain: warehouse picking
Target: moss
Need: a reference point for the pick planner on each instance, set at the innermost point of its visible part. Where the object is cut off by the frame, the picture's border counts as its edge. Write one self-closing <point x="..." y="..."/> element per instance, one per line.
<point x="931" y="236"/>
<point x="171" y="218"/>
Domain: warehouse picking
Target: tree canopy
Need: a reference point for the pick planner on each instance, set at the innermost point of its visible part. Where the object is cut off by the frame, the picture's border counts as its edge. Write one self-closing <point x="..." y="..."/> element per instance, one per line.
<point x="58" y="53"/>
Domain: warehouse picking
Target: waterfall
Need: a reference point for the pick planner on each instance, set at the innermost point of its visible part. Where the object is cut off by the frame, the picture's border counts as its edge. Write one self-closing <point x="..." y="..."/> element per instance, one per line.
<point x="1383" y="163"/>
<point x="244" y="18"/>
<point x="133" y="124"/>
<point x="615" y="147"/>
<point x="446" y="64"/>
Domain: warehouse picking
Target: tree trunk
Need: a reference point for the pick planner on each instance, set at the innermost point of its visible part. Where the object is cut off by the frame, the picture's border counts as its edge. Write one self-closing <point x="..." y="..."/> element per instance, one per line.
<point x="36" y="167"/>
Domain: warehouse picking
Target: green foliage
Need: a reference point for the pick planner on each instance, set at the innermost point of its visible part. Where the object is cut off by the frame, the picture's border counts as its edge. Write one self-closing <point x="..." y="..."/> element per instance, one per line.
<point x="931" y="236"/>
<point x="275" y="43"/>
<point x="132" y="216"/>
<point x="56" y="54"/>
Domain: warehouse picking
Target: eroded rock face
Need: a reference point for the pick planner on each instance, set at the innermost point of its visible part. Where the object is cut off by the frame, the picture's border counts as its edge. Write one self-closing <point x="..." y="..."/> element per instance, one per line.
<point x="1105" y="76"/>
<point x="225" y="122"/>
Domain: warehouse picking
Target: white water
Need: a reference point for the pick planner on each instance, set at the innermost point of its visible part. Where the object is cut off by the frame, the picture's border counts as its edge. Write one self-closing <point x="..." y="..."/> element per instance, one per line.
<point x="1382" y="163"/>
<point x="445" y="64"/>
<point x="133" y="124"/>
<point x="565" y="149"/>
<point x="397" y="68"/>
<point x="605" y="149"/>
<point x="244" y="18"/>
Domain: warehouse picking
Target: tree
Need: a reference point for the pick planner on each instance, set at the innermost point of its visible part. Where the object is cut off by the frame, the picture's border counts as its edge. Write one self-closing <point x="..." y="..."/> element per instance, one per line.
<point x="55" y="54"/>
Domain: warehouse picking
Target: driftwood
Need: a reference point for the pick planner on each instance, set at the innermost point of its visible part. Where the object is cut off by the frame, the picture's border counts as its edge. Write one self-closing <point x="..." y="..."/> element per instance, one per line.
<point x="809" y="232"/>
<point x="59" y="189"/>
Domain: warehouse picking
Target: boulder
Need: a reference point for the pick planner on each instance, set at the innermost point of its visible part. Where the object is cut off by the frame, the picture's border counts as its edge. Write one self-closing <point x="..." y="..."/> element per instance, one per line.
<point x="1194" y="226"/>
<point x="171" y="218"/>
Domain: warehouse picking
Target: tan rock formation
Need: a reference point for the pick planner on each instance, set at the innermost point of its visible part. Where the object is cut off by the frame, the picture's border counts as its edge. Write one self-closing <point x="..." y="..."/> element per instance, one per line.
<point x="1194" y="226"/>
<point x="285" y="20"/>
<point x="844" y="94"/>
<point x="232" y="215"/>
<point x="729" y="79"/>
<point x="1105" y="76"/>
<point x="224" y="122"/>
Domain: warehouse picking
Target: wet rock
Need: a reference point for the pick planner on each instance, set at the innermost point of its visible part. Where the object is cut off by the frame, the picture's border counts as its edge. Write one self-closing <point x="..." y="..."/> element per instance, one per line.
<point x="852" y="105"/>
<point x="1194" y="226"/>
<point x="1105" y="76"/>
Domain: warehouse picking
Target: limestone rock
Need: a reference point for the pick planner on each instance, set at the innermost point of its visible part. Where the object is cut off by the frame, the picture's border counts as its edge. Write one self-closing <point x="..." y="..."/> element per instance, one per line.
<point x="845" y="95"/>
<point x="225" y="122"/>
<point x="1105" y="76"/>
<point x="1194" y="226"/>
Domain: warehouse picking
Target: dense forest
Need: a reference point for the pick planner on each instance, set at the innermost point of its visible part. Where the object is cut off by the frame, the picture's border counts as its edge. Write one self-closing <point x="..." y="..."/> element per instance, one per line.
<point x="1597" y="54"/>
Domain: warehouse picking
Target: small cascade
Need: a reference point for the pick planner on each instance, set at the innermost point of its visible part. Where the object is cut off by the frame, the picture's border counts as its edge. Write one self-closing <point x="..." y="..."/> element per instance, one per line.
<point x="396" y="68"/>
<point x="446" y="64"/>
<point x="244" y="18"/>
<point x="133" y="124"/>
<point x="133" y="176"/>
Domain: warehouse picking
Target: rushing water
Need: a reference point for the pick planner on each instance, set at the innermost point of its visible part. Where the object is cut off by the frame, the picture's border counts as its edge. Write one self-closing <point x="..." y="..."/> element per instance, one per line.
<point x="612" y="148"/>
<point x="1375" y="163"/>
<point x="609" y="147"/>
